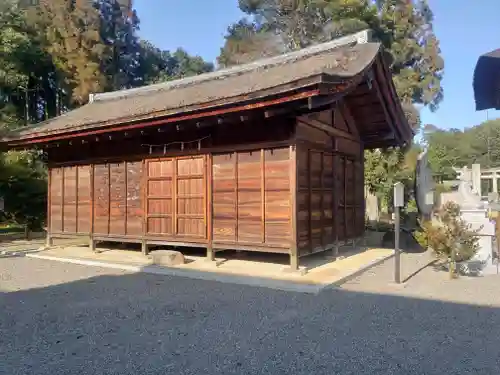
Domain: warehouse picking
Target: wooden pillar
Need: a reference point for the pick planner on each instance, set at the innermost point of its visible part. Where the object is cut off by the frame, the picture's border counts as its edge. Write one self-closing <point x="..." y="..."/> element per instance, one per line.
<point x="294" y="254"/>
<point x="49" y="241"/>
<point x="144" y="248"/>
<point x="92" y="205"/>
<point x="92" y="244"/>
<point x="209" y="210"/>
<point x="336" y="201"/>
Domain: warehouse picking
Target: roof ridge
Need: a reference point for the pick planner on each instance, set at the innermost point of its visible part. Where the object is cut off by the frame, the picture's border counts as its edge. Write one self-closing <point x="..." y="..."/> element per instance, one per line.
<point x="361" y="37"/>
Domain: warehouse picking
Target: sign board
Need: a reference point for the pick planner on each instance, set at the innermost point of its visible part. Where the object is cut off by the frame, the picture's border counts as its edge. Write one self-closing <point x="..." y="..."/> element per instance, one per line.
<point x="399" y="195"/>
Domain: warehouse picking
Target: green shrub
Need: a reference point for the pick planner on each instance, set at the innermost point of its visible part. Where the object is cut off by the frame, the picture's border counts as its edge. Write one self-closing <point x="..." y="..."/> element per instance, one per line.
<point x="449" y="236"/>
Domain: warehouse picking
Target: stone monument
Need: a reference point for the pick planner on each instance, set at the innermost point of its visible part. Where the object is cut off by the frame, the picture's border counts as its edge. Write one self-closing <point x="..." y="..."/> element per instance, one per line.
<point x="475" y="213"/>
<point x="424" y="186"/>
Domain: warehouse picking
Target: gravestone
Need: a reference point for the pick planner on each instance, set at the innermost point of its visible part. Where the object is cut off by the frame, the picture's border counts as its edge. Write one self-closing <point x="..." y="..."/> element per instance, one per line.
<point x="475" y="213"/>
<point x="424" y="186"/>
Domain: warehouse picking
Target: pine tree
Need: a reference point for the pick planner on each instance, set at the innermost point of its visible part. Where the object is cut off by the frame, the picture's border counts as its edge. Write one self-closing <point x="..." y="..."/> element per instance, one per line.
<point x="72" y="35"/>
<point x="404" y="27"/>
<point x="159" y="66"/>
<point x="118" y="30"/>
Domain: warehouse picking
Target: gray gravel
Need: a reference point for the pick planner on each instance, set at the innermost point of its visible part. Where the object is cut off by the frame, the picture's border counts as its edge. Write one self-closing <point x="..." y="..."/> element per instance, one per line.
<point x="58" y="318"/>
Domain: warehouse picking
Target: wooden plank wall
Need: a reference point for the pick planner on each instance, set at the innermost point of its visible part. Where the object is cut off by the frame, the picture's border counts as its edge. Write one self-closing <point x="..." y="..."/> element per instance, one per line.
<point x="330" y="200"/>
<point x="70" y="200"/>
<point x="117" y="199"/>
<point x="176" y="198"/>
<point x="251" y="199"/>
<point x="315" y="200"/>
<point x="117" y="208"/>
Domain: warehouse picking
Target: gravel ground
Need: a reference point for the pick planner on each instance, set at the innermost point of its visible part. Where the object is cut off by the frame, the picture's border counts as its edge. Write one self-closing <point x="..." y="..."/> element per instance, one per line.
<point x="61" y="318"/>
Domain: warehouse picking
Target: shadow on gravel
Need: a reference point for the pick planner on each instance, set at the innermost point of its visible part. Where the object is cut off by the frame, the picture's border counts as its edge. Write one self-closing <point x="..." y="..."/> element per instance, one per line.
<point x="149" y="324"/>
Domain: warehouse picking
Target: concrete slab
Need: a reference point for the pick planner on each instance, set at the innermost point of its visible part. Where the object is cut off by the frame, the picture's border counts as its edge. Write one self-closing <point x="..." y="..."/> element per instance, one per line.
<point x="322" y="271"/>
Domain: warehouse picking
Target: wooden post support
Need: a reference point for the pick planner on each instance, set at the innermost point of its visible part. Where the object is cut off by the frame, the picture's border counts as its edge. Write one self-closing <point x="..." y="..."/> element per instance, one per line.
<point x="92" y="244"/>
<point x="294" y="261"/>
<point x="210" y="253"/>
<point x="336" y="247"/>
<point x="144" y="248"/>
<point x="49" y="241"/>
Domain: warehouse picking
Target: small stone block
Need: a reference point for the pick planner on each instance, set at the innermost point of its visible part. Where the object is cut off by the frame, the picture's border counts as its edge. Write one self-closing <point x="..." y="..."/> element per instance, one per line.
<point x="167" y="257"/>
<point x="301" y="271"/>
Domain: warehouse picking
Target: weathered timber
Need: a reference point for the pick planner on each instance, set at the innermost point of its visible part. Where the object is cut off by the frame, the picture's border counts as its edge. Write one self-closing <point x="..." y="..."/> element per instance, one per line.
<point x="272" y="164"/>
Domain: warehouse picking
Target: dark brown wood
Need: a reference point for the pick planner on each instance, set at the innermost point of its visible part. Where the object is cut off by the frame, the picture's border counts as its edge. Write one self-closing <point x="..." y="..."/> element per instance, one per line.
<point x="389" y="114"/>
<point x="385" y="76"/>
<point x="263" y="196"/>
<point x="91" y="209"/>
<point x="294" y="254"/>
<point x="146" y="122"/>
<point x="279" y="184"/>
<point x="345" y="112"/>
<point x="49" y="241"/>
<point x="328" y="129"/>
<point x="210" y="249"/>
<point x="63" y="202"/>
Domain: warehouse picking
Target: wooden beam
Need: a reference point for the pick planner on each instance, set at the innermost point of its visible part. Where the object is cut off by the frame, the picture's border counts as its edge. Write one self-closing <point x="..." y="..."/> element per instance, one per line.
<point x="345" y="112"/>
<point x="326" y="128"/>
<point x="320" y="101"/>
<point x="382" y="68"/>
<point x="389" y="115"/>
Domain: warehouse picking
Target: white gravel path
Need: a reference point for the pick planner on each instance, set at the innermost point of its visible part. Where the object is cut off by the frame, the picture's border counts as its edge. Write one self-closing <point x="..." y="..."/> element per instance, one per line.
<point x="58" y="318"/>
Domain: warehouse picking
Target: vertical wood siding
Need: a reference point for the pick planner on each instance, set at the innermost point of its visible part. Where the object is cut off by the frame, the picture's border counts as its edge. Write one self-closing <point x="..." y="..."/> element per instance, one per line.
<point x="330" y="200"/>
<point x="116" y="208"/>
<point x="251" y="198"/>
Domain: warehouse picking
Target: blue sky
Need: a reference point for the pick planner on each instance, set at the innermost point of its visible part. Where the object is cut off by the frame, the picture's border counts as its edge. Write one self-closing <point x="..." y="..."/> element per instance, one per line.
<point x="465" y="29"/>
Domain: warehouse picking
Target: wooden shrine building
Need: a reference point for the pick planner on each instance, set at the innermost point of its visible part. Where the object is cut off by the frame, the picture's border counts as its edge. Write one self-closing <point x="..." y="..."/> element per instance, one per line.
<point x="266" y="156"/>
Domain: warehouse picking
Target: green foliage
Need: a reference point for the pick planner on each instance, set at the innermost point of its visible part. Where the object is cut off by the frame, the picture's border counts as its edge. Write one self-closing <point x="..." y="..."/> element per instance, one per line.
<point x="449" y="236"/>
<point x="383" y="168"/>
<point x="23" y="187"/>
<point x="160" y="66"/>
<point x="404" y="27"/>
<point x="25" y="68"/>
<point x="455" y="148"/>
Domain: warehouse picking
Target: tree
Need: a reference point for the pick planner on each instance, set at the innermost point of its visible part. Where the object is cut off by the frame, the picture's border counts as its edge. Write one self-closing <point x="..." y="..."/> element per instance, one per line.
<point x="160" y="66"/>
<point x="454" y="148"/>
<point x="23" y="187"/>
<point x="25" y="69"/>
<point x="71" y="32"/>
<point x="403" y="27"/>
<point x="118" y="31"/>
